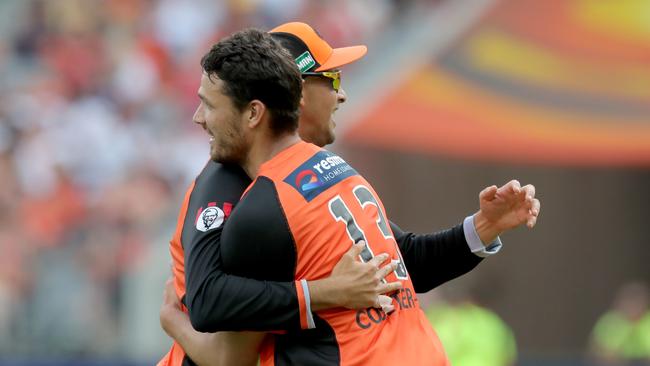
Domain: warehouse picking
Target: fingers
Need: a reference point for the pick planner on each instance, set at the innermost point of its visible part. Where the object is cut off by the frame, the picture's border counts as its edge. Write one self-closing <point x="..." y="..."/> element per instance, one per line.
<point x="510" y="189"/>
<point x="488" y="193"/>
<point x="382" y="300"/>
<point x="390" y="287"/>
<point x="169" y="293"/>
<point x="529" y="190"/>
<point x="533" y="205"/>
<point x="514" y="190"/>
<point x="536" y="207"/>
<point x="534" y="213"/>
<point x="531" y="222"/>
<point x="356" y="249"/>
<point x="386" y="270"/>
<point x="385" y="303"/>
<point x="514" y="186"/>
<point x="379" y="259"/>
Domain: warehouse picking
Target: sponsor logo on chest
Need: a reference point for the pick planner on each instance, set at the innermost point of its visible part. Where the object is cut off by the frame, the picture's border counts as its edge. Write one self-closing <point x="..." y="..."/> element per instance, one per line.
<point x="317" y="174"/>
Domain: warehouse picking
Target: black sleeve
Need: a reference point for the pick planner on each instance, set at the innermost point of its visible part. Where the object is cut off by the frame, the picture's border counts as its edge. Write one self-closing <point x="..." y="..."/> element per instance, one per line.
<point x="433" y="259"/>
<point x="217" y="300"/>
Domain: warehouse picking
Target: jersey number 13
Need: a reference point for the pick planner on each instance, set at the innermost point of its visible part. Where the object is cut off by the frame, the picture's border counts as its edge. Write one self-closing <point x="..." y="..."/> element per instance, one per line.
<point x="342" y="213"/>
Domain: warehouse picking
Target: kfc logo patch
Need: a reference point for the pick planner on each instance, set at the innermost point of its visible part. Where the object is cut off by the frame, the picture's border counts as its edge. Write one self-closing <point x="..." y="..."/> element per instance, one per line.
<point x="210" y="218"/>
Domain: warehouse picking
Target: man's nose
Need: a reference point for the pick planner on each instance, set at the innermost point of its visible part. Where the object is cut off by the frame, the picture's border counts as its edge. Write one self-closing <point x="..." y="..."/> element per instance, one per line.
<point x="198" y="116"/>
<point x="341" y="96"/>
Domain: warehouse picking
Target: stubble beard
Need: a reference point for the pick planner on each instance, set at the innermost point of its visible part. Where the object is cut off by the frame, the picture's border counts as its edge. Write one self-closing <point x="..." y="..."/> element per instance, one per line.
<point x="228" y="155"/>
<point x="233" y="152"/>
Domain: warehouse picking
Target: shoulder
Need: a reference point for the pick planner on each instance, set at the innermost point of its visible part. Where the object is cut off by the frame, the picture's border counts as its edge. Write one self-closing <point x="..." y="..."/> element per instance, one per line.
<point x="219" y="183"/>
<point x="260" y="200"/>
<point x="216" y="190"/>
<point x="217" y="177"/>
<point x="259" y="213"/>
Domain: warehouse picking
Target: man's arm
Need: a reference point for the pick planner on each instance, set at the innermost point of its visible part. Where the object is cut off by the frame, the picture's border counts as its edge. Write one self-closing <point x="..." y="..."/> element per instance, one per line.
<point x="218" y="301"/>
<point x="214" y="349"/>
<point x="433" y="259"/>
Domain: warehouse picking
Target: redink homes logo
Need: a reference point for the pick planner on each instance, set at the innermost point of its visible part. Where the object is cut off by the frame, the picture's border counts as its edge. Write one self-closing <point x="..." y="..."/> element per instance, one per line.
<point x="307" y="180"/>
<point x="317" y="174"/>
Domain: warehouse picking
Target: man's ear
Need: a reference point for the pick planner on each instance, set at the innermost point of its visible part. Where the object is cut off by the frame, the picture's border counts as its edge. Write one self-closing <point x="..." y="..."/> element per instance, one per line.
<point x="256" y="111"/>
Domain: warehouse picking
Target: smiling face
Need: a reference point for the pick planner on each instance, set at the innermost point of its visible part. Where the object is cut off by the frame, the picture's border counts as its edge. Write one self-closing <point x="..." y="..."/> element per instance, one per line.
<point x="222" y="120"/>
<point x="319" y="103"/>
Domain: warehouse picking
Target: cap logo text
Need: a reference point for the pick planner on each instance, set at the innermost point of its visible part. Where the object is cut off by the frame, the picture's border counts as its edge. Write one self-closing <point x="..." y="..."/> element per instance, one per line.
<point x="305" y="61"/>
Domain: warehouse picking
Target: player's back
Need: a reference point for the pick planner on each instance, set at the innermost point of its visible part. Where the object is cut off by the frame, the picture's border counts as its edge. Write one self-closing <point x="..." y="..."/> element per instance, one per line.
<point x="207" y="203"/>
<point x="326" y="206"/>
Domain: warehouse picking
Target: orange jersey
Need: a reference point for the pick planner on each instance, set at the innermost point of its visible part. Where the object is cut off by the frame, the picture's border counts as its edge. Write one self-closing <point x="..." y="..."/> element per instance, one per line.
<point x="176" y="355"/>
<point x="303" y="212"/>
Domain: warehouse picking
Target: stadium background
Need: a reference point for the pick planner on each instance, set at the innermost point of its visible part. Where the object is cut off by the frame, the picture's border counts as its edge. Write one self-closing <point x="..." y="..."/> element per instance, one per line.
<point x="97" y="147"/>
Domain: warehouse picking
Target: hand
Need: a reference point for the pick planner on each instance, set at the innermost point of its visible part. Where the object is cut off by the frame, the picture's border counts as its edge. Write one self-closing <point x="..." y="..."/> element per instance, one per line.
<point x="354" y="284"/>
<point x="504" y="208"/>
<point x="170" y="299"/>
<point x="171" y="308"/>
<point x="222" y="348"/>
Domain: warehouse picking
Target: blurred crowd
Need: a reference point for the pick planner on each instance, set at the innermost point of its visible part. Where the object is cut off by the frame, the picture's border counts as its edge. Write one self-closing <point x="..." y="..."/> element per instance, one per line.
<point x="97" y="146"/>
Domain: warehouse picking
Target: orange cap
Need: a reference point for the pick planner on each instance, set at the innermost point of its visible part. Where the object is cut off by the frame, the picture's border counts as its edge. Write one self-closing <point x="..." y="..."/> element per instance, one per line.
<point x="310" y="51"/>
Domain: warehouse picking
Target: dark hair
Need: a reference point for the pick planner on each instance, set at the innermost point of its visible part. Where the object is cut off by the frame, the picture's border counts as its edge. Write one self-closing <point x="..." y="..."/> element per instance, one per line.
<point x="254" y="66"/>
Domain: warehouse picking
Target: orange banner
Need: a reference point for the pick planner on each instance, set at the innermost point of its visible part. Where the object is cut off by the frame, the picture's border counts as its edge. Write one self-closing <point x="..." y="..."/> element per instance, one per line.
<point x="550" y="82"/>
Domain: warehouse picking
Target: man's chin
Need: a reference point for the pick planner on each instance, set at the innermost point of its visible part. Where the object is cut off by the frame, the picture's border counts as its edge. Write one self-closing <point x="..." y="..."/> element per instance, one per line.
<point x="217" y="158"/>
<point x="223" y="159"/>
<point x="330" y="138"/>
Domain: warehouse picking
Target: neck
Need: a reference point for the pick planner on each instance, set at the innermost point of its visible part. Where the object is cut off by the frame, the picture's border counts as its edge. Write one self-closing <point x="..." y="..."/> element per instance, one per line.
<point x="264" y="148"/>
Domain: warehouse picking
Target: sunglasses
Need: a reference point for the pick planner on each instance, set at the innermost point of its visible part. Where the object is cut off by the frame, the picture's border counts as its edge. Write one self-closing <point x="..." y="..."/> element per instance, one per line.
<point x="335" y="76"/>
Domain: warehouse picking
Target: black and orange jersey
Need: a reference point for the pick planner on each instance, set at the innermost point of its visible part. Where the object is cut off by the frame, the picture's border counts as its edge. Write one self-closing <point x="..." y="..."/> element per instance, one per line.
<point x="218" y="300"/>
<point x="302" y="213"/>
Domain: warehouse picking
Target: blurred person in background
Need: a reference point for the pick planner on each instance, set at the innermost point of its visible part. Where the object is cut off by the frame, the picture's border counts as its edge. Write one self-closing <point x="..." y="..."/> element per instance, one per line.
<point x="472" y="335"/>
<point x="621" y="336"/>
<point x="322" y="95"/>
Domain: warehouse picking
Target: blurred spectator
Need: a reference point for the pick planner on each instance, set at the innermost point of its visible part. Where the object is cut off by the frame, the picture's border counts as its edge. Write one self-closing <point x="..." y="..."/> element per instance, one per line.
<point x="471" y="334"/>
<point x="97" y="144"/>
<point x="622" y="335"/>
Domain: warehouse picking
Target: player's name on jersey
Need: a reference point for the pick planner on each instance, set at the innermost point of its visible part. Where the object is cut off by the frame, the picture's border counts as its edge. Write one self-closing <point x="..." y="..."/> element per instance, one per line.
<point x="366" y="318"/>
